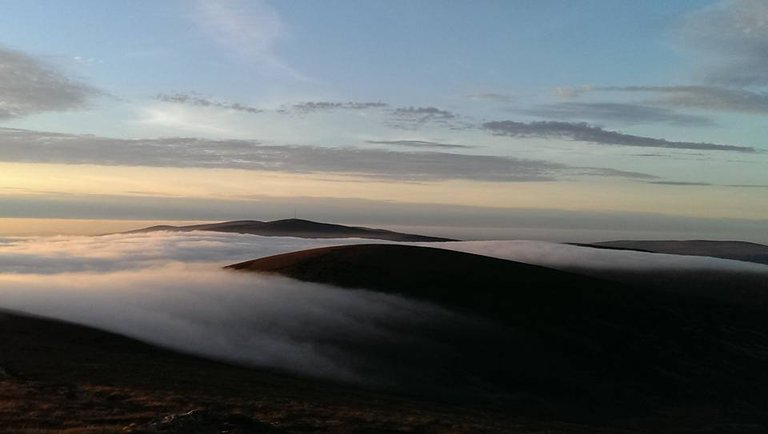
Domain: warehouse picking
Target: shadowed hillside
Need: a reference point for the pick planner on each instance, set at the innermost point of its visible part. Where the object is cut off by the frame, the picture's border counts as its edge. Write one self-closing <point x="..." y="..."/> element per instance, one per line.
<point x="569" y="342"/>
<point x="57" y="377"/>
<point x="295" y="228"/>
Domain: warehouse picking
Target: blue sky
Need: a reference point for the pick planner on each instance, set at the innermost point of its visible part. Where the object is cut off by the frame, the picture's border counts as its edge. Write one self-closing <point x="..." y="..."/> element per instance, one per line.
<point x="646" y="107"/>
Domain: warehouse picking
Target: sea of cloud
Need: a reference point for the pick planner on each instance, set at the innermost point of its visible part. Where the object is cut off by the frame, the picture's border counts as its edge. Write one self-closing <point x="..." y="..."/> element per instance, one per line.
<point x="170" y="289"/>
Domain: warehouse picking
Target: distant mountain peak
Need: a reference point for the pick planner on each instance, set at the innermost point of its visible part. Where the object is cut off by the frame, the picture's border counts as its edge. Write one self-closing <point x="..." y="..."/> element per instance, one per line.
<point x="295" y="227"/>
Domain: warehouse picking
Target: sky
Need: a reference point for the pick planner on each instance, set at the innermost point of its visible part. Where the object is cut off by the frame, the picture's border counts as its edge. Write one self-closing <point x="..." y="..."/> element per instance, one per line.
<point x="547" y="119"/>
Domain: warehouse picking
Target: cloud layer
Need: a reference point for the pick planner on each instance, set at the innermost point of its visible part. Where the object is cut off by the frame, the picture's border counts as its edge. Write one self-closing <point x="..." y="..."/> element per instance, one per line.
<point x="136" y="286"/>
<point x="38" y="147"/>
<point x="169" y="289"/>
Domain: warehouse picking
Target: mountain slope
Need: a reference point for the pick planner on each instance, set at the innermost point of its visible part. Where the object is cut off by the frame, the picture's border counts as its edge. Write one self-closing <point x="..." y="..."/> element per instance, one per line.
<point x="565" y="342"/>
<point x="58" y="377"/>
<point x="295" y="228"/>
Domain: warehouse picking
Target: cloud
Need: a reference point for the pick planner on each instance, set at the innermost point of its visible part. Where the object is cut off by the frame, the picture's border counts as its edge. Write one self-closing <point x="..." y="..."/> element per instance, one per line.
<point x="29" y="146"/>
<point x="619" y="112"/>
<point x="169" y="289"/>
<point x="584" y="132"/>
<point x="495" y="97"/>
<point x="424" y="112"/>
<point x="681" y="183"/>
<point x="731" y="38"/>
<point x="320" y="106"/>
<point x="194" y="100"/>
<point x="570" y="92"/>
<point x="418" y="144"/>
<point x="250" y="30"/>
<point x="415" y="117"/>
<point x="195" y="306"/>
<point x="703" y="97"/>
<point x="29" y="86"/>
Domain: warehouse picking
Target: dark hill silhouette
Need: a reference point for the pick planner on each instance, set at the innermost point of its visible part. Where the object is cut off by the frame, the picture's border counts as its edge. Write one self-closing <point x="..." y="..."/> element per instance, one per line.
<point x="736" y="250"/>
<point x="565" y="342"/>
<point x="295" y="228"/>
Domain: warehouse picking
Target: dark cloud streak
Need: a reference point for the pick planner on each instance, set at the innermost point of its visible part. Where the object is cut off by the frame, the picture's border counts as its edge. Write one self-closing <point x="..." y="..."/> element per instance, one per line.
<point x="418" y="144"/>
<point x="584" y="132"/>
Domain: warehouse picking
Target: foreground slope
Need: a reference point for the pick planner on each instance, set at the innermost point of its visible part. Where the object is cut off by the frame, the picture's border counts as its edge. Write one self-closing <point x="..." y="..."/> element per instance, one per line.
<point x="736" y="250"/>
<point x="569" y="343"/>
<point x="295" y="228"/>
<point x="58" y="377"/>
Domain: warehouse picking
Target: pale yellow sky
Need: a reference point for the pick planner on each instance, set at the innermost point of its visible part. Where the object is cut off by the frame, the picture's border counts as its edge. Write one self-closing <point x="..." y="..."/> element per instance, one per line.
<point x="17" y="179"/>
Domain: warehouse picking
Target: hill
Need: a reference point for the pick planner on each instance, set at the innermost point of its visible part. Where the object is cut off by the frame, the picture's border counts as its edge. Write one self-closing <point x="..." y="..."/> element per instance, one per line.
<point x="736" y="250"/>
<point x="295" y="228"/>
<point x="566" y="343"/>
<point x="57" y="377"/>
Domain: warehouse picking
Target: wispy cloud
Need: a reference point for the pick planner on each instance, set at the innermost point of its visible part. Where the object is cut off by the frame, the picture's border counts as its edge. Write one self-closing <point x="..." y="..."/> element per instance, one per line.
<point x="196" y="100"/>
<point x="584" y="132"/>
<point x="418" y="144"/>
<point x="618" y="112"/>
<point x="702" y="97"/>
<point x="28" y="86"/>
<point x="679" y="183"/>
<point x="491" y="96"/>
<point x="250" y="30"/>
<point x="412" y="118"/>
<point x="321" y="106"/>
<point x="731" y="37"/>
<point x="29" y="146"/>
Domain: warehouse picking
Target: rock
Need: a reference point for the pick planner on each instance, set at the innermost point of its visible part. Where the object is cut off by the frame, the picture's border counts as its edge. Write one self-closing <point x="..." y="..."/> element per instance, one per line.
<point x="205" y="422"/>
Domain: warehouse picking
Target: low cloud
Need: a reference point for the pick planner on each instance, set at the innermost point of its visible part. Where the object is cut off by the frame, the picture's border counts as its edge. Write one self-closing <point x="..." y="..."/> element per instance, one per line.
<point x="174" y="293"/>
<point x="617" y="112"/>
<point x="29" y="86"/>
<point x="584" y="132"/>
<point x="39" y="147"/>
<point x="700" y="276"/>
<point x="169" y="289"/>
